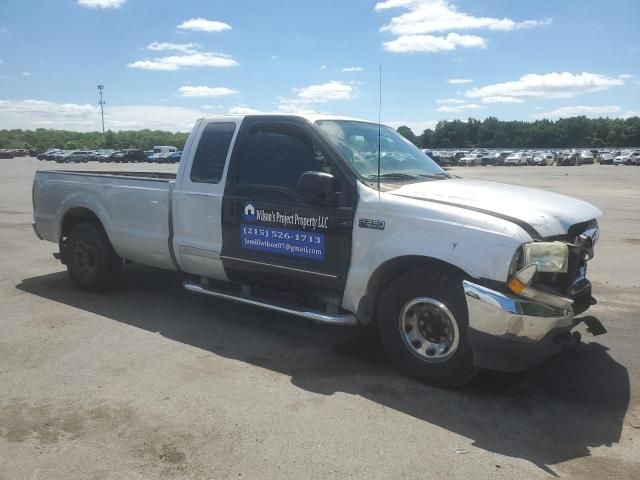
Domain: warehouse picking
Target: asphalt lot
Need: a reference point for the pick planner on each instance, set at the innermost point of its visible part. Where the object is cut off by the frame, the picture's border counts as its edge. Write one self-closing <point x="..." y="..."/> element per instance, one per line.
<point x="150" y="381"/>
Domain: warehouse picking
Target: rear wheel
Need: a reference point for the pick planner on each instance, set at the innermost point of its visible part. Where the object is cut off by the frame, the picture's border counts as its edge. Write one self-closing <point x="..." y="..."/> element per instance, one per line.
<point x="92" y="263"/>
<point x="422" y="322"/>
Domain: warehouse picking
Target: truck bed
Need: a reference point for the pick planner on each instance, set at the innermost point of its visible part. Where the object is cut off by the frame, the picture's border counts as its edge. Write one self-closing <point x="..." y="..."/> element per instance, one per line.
<point x="134" y="208"/>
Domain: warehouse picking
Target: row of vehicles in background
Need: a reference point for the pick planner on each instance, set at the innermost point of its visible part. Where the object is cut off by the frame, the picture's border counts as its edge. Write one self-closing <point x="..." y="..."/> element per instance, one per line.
<point x="16" y="152"/>
<point x="561" y="158"/>
<point x="159" y="154"/>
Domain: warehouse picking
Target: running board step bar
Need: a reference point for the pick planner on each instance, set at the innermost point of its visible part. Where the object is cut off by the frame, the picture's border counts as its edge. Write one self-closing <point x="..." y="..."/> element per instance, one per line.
<point x="315" y="315"/>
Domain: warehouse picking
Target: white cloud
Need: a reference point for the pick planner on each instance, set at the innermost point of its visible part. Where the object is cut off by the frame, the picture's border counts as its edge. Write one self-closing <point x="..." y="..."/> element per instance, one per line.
<point x="352" y="69"/>
<point x="323" y="67"/>
<point x="589" y="111"/>
<point x="243" y="110"/>
<point x="204" y="25"/>
<point x="203" y="91"/>
<point x="294" y="108"/>
<point x="501" y="99"/>
<point x="414" y="29"/>
<point x="320" y="93"/>
<point x="30" y="114"/>
<point x="432" y="43"/>
<point x="458" y="108"/>
<point x="179" y="47"/>
<point x="26" y="74"/>
<point x="550" y="85"/>
<point x="444" y="101"/>
<point x="631" y="113"/>
<point x="101" y="3"/>
<point x="325" y="92"/>
<point x="175" y="62"/>
<point x="459" y="81"/>
<point x="417" y="126"/>
<point x="273" y="57"/>
<point x="212" y="107"/>
<point x="430" y="16"/>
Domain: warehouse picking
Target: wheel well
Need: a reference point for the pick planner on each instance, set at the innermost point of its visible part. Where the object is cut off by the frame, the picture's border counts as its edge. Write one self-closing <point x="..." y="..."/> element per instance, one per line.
<point x="75" y="216"/>
<point x="389" y="270"/>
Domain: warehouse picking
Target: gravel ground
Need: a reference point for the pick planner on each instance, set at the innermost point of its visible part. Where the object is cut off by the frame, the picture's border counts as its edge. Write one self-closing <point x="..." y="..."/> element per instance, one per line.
<point x="153" y="382"/>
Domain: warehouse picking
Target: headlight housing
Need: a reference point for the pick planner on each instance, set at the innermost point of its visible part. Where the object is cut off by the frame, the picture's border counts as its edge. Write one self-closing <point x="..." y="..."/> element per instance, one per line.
<point x="550" y="257"/>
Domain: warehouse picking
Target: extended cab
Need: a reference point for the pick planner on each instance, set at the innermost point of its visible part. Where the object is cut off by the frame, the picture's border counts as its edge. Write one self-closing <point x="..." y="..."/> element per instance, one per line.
<point x="306" y="215"/>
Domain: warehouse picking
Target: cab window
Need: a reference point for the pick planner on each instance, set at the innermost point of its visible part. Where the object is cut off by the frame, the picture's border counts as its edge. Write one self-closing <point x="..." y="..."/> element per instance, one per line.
<point x="211" y="154"/>
<point x="276" y="155"/>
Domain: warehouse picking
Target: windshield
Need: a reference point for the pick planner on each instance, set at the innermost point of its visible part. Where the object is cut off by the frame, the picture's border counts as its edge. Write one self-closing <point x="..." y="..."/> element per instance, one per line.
<point x="400" y="160"/>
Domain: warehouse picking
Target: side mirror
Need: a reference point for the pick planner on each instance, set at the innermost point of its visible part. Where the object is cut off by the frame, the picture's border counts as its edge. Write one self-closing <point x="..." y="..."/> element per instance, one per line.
<point x="316" y="186"/>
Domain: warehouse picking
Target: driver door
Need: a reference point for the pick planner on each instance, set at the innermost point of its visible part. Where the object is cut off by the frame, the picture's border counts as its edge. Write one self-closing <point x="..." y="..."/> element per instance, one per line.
<point x="272" y="235"/>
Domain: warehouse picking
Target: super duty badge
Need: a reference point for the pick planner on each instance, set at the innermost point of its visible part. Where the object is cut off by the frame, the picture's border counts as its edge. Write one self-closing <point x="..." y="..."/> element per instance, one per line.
<point x="370" y="223"/>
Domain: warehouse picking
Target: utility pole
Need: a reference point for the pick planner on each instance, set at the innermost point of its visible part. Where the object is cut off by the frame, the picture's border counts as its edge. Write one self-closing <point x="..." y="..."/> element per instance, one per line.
<point x="101" y="102"/>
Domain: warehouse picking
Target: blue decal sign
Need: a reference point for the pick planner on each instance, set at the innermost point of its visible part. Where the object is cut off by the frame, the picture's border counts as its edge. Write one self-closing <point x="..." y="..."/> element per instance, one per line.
<point x="282" y="241"/>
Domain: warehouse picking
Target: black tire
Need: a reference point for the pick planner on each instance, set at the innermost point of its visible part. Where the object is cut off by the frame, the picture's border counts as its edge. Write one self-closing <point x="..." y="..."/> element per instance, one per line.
<point x="446" y="288"/>
<point x="92" y="263"/>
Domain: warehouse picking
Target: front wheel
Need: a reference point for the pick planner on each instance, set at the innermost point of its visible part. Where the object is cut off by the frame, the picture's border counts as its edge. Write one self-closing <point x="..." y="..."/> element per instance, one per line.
<point x="422" y="322"/>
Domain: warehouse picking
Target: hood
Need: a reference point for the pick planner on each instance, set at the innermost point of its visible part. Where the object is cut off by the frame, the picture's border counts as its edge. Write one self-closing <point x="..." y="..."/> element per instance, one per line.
<point x="548" y="213"/>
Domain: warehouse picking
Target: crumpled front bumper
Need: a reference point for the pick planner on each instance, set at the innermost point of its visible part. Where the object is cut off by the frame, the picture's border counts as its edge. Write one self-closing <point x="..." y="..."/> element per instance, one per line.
<point x="508" y="333"/>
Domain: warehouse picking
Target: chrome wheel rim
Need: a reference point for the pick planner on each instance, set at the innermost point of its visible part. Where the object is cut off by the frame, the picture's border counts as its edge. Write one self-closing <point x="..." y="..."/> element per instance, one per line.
<point x="429" y="330"/>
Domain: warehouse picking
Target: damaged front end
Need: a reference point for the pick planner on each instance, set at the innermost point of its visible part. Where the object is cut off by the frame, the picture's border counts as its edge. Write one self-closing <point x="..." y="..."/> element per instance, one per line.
<point x="519" y="326"/>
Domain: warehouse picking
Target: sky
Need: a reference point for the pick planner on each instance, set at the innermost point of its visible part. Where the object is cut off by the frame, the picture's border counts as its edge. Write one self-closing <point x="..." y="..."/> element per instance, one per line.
<point x="164" y="64"/>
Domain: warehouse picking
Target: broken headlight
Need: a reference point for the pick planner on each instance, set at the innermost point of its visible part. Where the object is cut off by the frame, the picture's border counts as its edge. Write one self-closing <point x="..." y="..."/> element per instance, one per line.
<point x="550" y="257"/>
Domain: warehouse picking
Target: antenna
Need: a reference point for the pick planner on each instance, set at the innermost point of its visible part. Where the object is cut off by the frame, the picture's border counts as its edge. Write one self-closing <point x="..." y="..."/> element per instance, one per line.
<point x="379" y="122"/>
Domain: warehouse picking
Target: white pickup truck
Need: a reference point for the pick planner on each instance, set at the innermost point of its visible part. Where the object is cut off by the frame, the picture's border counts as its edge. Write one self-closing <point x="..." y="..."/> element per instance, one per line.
<point x="344" y="222"/>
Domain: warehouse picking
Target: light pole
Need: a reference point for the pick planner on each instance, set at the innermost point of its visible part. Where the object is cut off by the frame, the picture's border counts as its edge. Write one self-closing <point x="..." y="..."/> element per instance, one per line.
<point x="101" y="102"/>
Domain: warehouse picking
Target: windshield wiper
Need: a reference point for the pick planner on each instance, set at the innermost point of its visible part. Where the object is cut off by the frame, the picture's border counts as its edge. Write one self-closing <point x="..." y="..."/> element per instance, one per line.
<point x="436" y="175"/>
<point x="410" y="176"/>
<point x="394" y="176"/>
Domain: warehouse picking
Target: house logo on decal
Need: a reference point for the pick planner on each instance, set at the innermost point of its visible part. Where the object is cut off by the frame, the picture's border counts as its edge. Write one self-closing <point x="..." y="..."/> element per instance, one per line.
<point x="249" y="213"/>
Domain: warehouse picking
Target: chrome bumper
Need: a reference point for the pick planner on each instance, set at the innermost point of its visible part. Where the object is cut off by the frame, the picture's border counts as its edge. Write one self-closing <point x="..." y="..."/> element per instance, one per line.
<point x="498" y="314"/>
<point x="508" y="333"/>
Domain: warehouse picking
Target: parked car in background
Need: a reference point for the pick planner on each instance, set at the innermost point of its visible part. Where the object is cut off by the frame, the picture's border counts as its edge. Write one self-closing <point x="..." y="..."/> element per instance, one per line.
<point x="155" y="157"/>
<point x="539" y="160"/>
<point x="93" y="155"/>
<point x="135" y="155"/>
<point x="104" y="155"/>
<point x="164" y="149"/>
<point x="50" y="154"/>
<point x="586" y="158"/>
<point x="606" y="158"/>
<point x="175" y="157"/>
<point x="497" y="158"/>
<point x="73" y="156"/>
<point x="568" y="159"/>
<point x="470" y="160"/>
<point x="516" y="159"/>
<point x="626" y="158"/>
<point x="445" y="158"/>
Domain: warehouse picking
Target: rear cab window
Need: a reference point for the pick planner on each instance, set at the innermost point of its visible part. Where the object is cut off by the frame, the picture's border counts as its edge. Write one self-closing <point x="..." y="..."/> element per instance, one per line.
<point x="211" y="153"/>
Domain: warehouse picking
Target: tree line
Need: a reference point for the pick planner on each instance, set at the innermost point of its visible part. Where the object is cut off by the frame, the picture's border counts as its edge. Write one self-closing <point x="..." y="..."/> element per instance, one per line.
<point x="43" y="138"/>
<point x="578" y="132"/>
